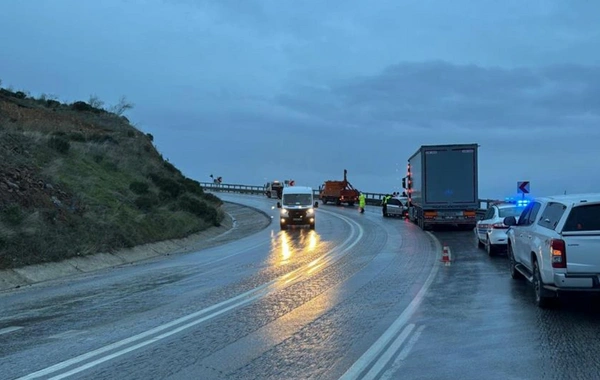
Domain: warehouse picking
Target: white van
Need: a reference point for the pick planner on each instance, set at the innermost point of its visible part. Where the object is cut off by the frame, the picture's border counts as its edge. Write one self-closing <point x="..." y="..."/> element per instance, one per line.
<point x="297" y="207"/>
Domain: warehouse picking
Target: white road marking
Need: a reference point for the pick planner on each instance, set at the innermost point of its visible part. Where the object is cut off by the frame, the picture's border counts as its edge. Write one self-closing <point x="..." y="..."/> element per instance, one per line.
<point x="10" y="329"/>
<point x="67" y="334"/>
<point x="389" y="353"/>
<point x="389" y="374"/>
<point x="375" y="350"/>
<point x="201" y="316"/>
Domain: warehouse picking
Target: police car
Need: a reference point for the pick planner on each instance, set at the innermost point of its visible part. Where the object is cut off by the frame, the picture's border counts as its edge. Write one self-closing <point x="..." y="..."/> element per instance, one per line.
<point x="490" y="231"/>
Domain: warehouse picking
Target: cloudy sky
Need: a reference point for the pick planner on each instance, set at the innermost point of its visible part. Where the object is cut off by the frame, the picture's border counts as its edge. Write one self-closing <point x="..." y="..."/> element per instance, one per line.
<point x="255" y="90"/>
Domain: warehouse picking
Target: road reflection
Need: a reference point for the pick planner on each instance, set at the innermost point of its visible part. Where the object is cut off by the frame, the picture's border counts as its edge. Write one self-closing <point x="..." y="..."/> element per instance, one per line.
<point x="295" y="246"/>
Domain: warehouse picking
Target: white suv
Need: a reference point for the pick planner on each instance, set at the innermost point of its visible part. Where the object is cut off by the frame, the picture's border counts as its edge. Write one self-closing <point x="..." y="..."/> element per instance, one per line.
<point x="556" y="245"/>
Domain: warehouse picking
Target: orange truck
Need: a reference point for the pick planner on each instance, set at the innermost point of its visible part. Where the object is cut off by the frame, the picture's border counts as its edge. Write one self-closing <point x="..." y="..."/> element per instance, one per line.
<point x="339" y="192"/>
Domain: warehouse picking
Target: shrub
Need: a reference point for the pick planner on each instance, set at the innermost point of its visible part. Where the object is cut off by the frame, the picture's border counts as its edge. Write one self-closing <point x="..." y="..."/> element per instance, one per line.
<point x="170" y="167"/>
<point x="146" y="202"/>
<point x="76" y="136"/>
<point x="200" y="209"/>
<point x="82" y="106"/>
<point x="130" y="134"/>
<point x="167" y="185"/>
<point x="59" y="144"/>
<point x="213" y="198"/>
<point x="139" y="188"/>
<point x="101" y="139"/>
<point x="13" y="215"/>
<point x="150" y="136"/>
<point x="51" y="103"/>
<point x="192" y="186"/>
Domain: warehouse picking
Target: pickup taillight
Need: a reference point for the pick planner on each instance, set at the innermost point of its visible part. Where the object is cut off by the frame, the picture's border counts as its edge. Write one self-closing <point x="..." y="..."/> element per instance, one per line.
<point x="499" y="226"/>
<point x="558" y="253"/>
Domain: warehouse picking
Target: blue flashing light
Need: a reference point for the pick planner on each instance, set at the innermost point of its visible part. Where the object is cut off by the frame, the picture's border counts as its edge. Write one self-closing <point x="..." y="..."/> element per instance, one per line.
<point x="519" y="202"/>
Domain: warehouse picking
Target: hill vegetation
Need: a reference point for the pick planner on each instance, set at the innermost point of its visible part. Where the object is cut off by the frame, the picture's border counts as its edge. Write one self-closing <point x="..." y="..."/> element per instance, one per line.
<point x="76" y="179"/>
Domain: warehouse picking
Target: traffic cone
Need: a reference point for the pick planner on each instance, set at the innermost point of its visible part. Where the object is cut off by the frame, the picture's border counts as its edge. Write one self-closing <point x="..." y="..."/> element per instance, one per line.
<point x="446" y="254"/>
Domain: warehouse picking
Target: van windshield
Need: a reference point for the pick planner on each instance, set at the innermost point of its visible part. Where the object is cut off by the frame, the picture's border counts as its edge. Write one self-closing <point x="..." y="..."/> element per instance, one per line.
<point x="297" y="199"/>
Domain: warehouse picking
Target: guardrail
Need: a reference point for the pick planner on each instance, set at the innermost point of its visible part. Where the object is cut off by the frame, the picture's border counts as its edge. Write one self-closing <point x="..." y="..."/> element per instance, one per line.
<point x="373" y="199"/>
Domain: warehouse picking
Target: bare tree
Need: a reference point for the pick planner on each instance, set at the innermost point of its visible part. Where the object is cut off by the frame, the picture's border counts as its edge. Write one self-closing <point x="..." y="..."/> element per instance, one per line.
<point x="95" y="102"/>
<point x="122" y="106"/>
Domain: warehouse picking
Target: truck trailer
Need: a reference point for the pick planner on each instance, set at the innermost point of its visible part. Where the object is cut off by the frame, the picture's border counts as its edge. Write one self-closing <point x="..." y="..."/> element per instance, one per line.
<point x="442" y="185"/>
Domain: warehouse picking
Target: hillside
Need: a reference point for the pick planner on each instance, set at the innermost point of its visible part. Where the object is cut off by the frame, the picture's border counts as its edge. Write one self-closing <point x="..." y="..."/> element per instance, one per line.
<point x="78" y="180"/>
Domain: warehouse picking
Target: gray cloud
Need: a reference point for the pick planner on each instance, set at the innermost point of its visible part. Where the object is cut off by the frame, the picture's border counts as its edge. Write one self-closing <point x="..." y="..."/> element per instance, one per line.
<point x="440" y="94"/>
<point x="263" y="89"/>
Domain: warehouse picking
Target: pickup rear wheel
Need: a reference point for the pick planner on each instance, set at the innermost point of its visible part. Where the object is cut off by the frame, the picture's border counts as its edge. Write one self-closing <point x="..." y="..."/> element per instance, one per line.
<point x="514" y="273"/>
<point x="541" y="299"/>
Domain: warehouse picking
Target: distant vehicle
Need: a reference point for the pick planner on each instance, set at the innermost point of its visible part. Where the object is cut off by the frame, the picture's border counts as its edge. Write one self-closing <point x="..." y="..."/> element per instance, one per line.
<point x="274" y="189"/>
<point x="297" y="207"/>
<point x="442" y="185"/>
<point x="339" y="192"/>
<point x="397" y="206"/>
<point x="555" y="245"/>
<point x="490" y="231"/>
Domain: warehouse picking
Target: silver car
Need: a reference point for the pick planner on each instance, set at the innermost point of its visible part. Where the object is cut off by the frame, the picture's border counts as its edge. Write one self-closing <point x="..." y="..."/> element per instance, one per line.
<point x="397" y="206"/>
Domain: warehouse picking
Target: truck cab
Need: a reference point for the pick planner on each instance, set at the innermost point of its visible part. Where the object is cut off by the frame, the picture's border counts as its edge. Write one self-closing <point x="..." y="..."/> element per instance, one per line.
<point x="274" y="189"/>
<point x="297" y="207"/>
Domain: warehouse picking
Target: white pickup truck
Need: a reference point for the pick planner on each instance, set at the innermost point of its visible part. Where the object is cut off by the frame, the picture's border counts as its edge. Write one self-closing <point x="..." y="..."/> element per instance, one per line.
<point x="556" y="245"/>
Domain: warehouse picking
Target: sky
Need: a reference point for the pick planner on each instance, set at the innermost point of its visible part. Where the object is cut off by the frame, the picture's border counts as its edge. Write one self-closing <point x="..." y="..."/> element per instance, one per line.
<point x="258" y="90"/>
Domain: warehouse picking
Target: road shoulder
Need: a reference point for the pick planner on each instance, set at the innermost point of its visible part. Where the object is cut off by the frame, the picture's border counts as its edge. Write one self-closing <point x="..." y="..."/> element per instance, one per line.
<point x="240" y="221"/>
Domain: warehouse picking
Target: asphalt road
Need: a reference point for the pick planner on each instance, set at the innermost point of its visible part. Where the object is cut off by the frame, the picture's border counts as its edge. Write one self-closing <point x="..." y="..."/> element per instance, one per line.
<point x="476" y="322"/>
<point x="273" y="305"/>
<point x="359" y="297"/>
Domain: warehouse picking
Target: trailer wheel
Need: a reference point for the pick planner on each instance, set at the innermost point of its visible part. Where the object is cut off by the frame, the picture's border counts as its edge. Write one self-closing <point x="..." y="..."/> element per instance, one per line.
<point x="350" y="203"/>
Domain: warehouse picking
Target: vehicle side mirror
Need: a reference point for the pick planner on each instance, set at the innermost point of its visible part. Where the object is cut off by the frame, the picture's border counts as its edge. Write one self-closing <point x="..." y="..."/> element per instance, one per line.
<point x="278" y="204"/>
<point x="510" y="221"/>
<point x="316" y="204"/>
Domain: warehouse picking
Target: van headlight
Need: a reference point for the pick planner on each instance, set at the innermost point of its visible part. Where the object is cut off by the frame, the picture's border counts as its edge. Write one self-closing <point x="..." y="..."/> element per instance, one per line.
<point x="284" y="212"/>
<point x="310" y="211"/>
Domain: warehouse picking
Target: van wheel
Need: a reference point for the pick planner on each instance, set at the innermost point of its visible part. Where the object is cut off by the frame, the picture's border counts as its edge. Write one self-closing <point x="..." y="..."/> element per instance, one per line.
<point x="283" y="226"/>
<point x="312" y="226"/>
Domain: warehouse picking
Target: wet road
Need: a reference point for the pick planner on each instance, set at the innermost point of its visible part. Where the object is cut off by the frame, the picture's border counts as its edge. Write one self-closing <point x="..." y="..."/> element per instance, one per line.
<point x="476" y="322"/>
<point x="360" y="297"/>
<point x="293" y="304"/>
